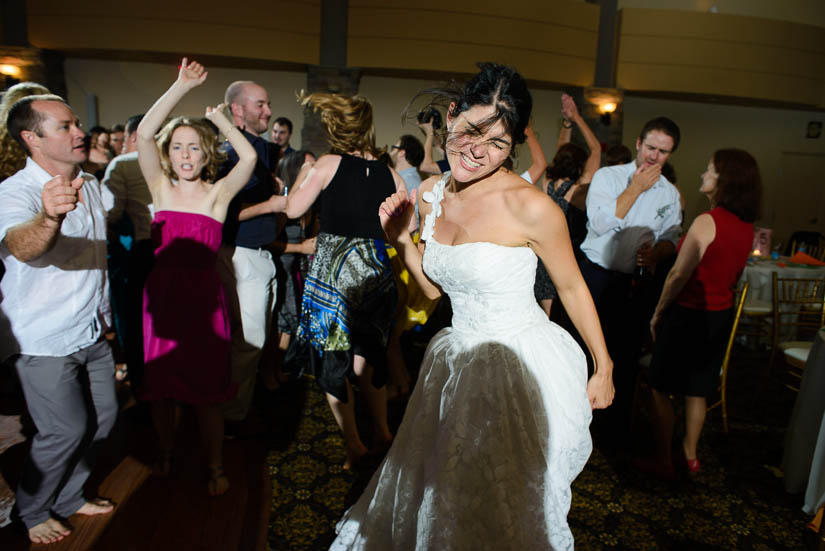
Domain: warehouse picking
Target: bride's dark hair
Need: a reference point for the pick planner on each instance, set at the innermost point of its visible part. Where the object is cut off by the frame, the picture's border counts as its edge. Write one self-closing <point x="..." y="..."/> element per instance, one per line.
<point x="497" y="85"/>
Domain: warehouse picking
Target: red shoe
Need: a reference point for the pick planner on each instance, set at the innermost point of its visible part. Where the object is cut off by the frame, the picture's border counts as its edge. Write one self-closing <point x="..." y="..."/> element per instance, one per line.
<point x="693" y="465"/>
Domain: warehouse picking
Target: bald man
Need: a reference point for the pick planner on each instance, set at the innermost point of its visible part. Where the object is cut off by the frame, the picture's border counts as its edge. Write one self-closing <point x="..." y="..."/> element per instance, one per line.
<point x="246" y="264"/>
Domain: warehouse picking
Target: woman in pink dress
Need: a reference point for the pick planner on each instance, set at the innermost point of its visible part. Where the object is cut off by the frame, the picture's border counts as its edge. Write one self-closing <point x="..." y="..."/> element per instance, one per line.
<point x="185" y="322"/>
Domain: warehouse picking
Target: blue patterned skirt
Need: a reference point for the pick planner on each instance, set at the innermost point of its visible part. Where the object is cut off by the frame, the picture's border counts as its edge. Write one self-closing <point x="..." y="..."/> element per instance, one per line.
<point x="347" y="308"/>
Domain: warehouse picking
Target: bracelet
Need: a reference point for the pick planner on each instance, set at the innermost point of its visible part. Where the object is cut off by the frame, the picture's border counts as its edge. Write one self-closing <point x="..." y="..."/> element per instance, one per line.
<point x="567" y="123"/>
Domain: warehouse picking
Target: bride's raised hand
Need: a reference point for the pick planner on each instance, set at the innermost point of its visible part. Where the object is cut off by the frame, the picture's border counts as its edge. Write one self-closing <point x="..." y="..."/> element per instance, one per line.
<point x="395" y="214"/>
<point x="191" y="74"/>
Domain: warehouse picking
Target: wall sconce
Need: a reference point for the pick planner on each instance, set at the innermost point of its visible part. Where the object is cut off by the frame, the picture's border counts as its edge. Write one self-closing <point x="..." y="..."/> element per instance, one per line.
<point x="602" y="103"/>
<point x="10" y="70"/>
<point x="605" y="109"/>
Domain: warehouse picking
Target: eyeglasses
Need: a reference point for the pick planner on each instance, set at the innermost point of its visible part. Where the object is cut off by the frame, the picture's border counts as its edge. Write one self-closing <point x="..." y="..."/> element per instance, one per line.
<point x="395" y="147"/>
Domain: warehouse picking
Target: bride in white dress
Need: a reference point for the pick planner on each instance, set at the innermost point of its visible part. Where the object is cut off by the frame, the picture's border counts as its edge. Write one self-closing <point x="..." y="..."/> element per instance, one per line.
<point x="497" y="426"/>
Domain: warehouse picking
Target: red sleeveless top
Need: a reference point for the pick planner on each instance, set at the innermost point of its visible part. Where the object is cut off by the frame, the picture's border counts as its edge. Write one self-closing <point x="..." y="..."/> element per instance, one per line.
<point x="710" y="287"/>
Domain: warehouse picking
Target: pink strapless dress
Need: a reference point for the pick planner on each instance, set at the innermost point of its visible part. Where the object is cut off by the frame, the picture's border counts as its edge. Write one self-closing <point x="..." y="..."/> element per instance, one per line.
<point x="186" y="331"/>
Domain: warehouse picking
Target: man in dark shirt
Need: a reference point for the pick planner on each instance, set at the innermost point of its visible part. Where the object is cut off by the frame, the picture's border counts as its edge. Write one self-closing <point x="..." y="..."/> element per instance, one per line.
<point x="247" y="265"/>
<point x="280" y="134"/>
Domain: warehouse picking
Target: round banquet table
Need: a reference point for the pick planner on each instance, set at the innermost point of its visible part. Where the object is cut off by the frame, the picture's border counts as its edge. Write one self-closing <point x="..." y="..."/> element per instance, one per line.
<point x="759" y="275"/>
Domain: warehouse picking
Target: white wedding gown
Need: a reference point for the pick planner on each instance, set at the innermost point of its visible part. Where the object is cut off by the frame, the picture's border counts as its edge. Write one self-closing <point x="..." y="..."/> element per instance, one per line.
<point x="497" y="426"/>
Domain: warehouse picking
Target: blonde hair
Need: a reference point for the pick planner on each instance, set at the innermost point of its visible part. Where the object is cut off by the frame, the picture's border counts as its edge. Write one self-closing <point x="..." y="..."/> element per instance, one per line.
<point x="209" y="144"/>
<point x="12" y="155"/>
<point x="347" y="119"/>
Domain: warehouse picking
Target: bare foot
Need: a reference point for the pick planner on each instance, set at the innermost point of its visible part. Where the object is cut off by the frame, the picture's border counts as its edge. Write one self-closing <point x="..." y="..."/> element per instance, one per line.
<point x="97" y="506"/>
<point x="49" y="531"/>
<point x="354" y="455"/>
<point x="218" y="483"/>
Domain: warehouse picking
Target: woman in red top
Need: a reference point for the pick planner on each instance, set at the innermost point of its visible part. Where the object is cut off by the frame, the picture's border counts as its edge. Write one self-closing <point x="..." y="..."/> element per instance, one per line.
<point x="693" y="317"/>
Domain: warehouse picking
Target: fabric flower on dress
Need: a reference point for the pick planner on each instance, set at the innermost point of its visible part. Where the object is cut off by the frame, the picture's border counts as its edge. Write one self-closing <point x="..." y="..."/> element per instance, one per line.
<point x="434" y="197"/>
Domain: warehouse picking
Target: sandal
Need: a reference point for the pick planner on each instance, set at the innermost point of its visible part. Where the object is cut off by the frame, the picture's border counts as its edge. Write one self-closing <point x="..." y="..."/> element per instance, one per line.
<point x="218" y="483"/>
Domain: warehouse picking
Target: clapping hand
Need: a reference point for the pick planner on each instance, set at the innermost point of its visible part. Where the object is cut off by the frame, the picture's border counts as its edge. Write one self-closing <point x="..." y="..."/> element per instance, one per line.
<point x="568" y="107"/>
<point x="191" y="74"/>
<point x="395" y="214"/>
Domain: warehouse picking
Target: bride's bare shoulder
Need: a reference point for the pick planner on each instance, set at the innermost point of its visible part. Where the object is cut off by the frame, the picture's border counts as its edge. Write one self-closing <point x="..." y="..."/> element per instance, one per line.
<point x="529" y="204"/>
<point x="428" y="184"/>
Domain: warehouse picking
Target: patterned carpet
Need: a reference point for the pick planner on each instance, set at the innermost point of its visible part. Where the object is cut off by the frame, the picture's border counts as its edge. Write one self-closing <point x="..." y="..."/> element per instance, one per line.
<point x="736" y="502"/>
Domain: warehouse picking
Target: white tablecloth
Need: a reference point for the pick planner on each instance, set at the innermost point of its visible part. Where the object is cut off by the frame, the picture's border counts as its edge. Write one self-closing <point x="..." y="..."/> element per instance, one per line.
<point x="759" y="275"/>
<point x="804" y="459"/>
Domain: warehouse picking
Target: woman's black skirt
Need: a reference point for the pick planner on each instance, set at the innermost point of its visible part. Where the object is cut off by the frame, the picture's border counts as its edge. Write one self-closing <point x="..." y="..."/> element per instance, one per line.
<point x="689" y="349"/>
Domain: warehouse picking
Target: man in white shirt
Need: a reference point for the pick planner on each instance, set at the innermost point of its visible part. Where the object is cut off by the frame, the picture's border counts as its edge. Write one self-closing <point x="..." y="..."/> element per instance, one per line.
<point x="55" y="296"/>
<point x="125" y="193"/>
<point x="633" y="223"/>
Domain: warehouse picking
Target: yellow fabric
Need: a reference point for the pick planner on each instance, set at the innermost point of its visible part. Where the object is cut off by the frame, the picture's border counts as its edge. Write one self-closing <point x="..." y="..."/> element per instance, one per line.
<point x="414" y="307"/>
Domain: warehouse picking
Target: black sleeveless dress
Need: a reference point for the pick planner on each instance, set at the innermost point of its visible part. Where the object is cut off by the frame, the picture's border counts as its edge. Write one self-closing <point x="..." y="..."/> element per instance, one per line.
<point x="350" y="297"/>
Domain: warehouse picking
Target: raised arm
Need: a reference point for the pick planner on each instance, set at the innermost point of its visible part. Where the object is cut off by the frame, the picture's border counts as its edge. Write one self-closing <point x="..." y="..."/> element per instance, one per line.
<point x="547" y="233"/>
<point x="538" y="160"/>
<point x="701" y="234"/>
<point x="428" y="166"/>
<point x="190" y="75"/>
<point x="571" y="113"/>
<point x="566" y="131"/>
<point x="232" y="183"/>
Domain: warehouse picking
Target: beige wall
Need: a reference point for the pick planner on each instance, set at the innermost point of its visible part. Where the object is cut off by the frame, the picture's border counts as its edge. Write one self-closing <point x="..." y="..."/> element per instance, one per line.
<point x="128" y="88"/>
<point x="721" y="55"/>
<point x="283" y="30"/>
<point x="731" y="53"/>
<point x="765" y="133"/>
<point x="548" y="41"/>
<point x="809" y="12"/>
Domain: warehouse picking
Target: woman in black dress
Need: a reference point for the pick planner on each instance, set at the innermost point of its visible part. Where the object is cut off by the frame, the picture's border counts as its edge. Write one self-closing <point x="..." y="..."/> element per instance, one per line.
<point x="566" y="182"/>
<point x="349" y="296"/>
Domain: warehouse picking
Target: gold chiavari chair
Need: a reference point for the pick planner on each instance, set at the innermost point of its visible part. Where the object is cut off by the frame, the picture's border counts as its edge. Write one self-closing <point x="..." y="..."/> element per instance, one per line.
<point x="798" y="313"/>
<point x="739" y="303"/>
